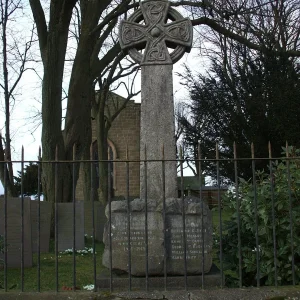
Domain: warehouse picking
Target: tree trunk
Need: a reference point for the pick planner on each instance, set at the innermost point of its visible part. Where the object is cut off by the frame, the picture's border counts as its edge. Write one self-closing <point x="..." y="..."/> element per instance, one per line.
<point x="53" y="54"/>
<point x="58" y="179"/>
<point x="103" y="166"/>
<point x="78" y="119"/>
<point x="88" y="193"/>
<point x="11" y="191"/>
<point x="7" y="170"/>
<point x="102" y="133"/>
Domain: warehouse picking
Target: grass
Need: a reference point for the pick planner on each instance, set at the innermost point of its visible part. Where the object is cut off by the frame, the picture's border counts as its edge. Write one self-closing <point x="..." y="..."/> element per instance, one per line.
<point x="84" y="266"/>
<point x="84" y="271"/>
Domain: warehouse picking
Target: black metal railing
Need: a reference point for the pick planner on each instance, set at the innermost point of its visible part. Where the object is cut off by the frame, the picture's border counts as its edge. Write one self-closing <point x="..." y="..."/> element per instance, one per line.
<point x="291" y="212"/>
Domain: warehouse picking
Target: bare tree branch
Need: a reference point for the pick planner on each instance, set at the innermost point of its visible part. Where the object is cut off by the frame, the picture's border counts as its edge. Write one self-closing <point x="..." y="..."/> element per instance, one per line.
<point x="40" y="21"/>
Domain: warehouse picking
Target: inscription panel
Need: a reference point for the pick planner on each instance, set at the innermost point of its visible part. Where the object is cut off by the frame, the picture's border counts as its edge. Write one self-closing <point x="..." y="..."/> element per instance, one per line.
<point x="120" y="246"/>
<point x="198" y="237"/>
<point x="197" y="240"/>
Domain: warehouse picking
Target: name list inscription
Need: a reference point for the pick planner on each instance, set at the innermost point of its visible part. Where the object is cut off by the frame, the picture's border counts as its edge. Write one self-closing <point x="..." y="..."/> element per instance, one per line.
<point x="194" y="240"/>
<point x="137" y="234"/>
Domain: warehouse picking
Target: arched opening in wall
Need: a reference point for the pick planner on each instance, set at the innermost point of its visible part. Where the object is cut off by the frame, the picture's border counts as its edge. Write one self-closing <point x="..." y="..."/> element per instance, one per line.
<point x="112" y="155"/>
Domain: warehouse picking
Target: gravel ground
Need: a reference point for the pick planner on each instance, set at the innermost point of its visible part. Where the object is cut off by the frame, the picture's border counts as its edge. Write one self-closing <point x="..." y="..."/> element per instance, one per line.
<point x="291" y="293"/>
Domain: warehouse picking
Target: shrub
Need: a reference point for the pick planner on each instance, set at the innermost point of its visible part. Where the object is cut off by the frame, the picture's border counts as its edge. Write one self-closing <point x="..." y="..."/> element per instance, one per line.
<point x="281" y="195"/>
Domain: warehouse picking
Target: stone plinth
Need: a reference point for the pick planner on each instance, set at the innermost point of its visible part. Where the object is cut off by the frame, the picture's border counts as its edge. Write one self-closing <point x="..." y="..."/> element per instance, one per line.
<point x="211" y="280"/>
<point x="119" y="236"/>
<point x="197" y="238"/>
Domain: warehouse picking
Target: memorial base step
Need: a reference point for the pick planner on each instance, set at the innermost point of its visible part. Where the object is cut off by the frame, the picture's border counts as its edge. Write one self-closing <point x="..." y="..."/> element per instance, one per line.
<point x="121" y="282"/>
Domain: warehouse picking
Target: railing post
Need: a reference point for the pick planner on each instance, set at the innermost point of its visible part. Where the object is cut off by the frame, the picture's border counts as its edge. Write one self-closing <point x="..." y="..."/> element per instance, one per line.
<point x="146" y="219"/>
<point x="238" y="206"/>
<point x="256" y="217"/>
<point x="273" y="212"/>
<point x="74" y="217"/>
<point x="92" y="162"/>
<point x="202" y="217"/>
<point x="164" y="214"/>
<point x="128" y="219"/>
<point x="109" y="229"/>
<point x="56" y="218"/>
<point x="39" y="222"/>
<point x="290" y="211"/>
<point x="183" y="219"/>
<point x="22" y="219"/>
<point x="220" y="214"/>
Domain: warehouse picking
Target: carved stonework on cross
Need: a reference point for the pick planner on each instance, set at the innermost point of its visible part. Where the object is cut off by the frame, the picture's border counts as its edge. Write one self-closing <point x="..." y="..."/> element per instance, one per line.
<point x="156" y="35"/>
<point x="157" y="28"/>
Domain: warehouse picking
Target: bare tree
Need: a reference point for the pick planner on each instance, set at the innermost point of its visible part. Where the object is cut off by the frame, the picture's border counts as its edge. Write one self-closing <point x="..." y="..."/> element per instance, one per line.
<point x="96" y="48"/>
<point x="233" y="18"/>
<point x="240" y="98"/>
<point x="94" y="52"/>
<point x="14" y="57"/>
<point x="106" y="108"/>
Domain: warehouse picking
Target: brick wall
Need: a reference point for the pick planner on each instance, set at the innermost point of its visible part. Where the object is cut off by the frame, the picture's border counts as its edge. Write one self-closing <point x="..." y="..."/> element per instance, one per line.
<point x="210" y="196"/>
<point x="124" y="133"/>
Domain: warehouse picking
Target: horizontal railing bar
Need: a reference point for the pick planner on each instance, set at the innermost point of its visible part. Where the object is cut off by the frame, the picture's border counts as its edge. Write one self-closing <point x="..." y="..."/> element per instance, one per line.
<point x="155" y="160"/>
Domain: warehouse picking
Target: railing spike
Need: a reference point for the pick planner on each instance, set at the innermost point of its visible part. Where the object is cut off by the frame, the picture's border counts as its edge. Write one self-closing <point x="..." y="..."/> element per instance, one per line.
<point x="180" y="152"/>
<point x="74" y="151"/>
<point x="234" y="150"/>
<point x="91" y="151"/>
<point x="199" y="149"/>
<point x="252" y="150"/>
<point x="56" y="152"/>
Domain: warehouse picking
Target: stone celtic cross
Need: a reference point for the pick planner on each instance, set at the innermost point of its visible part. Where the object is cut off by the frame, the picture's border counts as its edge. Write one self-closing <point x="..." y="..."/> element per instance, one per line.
<point x="156" y="35"/>
<point x="148" y="35"/>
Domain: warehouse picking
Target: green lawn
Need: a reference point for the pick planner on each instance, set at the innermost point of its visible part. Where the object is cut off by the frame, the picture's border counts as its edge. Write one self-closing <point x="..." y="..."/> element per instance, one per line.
<point x="84" y="271"/>
<point x="84" y="266"/>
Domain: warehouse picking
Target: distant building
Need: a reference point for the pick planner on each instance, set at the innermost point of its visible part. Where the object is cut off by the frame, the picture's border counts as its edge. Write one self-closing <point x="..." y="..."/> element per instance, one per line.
<point x="191" y="187"/>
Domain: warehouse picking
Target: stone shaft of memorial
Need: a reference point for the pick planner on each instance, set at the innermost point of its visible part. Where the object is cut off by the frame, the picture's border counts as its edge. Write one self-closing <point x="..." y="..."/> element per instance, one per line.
<point x="158" y="131"/>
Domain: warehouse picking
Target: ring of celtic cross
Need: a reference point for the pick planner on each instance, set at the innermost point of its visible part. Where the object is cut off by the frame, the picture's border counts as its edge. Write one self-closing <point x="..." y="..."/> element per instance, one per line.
<point x="156" y="35"/>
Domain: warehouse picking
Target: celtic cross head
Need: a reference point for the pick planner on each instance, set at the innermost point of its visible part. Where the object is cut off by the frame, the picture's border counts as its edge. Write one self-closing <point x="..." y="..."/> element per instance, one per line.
<point x="156" y="27"/>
